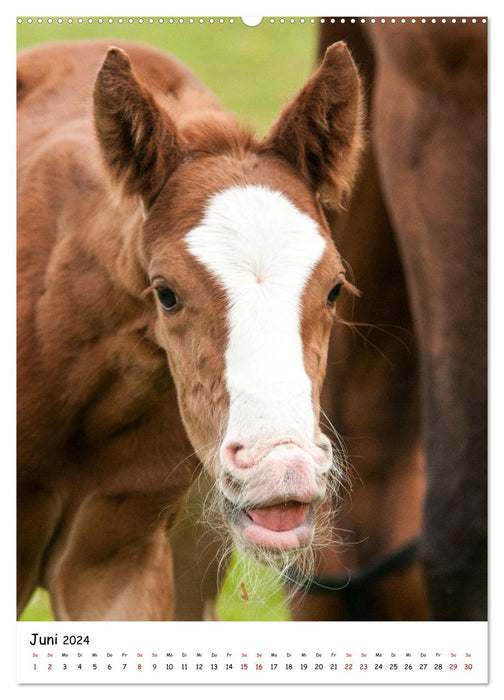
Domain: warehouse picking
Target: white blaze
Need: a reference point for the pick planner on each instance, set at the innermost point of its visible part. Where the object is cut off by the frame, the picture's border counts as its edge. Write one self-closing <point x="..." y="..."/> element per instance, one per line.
<point x="262" y="249"/>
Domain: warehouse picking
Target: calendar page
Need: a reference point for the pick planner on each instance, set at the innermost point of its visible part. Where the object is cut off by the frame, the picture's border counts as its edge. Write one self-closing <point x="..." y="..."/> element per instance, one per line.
<point x="321" y="652"/>
<point x="251" y="350"/>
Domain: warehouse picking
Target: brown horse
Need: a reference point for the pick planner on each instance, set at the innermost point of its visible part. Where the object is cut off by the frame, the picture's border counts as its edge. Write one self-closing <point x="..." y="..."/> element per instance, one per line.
<point x="177" y="288"/>
<point x="415" y="390"/>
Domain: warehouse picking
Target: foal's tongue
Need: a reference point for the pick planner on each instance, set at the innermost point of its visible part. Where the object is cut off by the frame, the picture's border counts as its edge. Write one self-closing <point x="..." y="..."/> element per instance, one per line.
<point x="282" y="517"/>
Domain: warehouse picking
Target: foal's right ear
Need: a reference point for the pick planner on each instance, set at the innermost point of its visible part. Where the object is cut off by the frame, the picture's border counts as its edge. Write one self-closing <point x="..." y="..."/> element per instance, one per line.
<point x="139" y="142"/>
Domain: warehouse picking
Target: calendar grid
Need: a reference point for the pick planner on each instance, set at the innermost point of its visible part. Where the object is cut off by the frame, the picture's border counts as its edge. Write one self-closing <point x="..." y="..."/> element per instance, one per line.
<point x="220" y="652"/>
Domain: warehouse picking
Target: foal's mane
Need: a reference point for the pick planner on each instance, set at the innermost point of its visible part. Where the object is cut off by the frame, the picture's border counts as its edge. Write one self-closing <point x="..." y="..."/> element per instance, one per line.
<point x="212" y="133"/>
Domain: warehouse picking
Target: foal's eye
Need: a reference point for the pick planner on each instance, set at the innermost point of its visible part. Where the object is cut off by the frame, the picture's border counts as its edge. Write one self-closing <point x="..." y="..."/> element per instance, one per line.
<point x="168" y="299"/>
<point x="334" y="293"/>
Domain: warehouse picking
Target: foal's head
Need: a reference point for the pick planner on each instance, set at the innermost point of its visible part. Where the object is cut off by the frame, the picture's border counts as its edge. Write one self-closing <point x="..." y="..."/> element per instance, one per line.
<point x="244" y="279"/>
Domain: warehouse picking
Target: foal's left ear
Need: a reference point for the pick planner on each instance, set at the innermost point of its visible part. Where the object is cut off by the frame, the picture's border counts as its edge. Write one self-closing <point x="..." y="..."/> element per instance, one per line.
<point x="320" y="132"/>
<point x="139" y="142"/>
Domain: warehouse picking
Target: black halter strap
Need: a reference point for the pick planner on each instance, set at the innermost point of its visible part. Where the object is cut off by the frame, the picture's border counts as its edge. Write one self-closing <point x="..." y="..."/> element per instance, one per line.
<point x="351" y="585"/>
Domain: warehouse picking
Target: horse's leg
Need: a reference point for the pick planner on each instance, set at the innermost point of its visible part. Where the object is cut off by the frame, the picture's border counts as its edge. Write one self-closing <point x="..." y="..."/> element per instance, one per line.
<point x="198" y="562"/>
<point x="113" y="561"/>
<point x="370" y="396"/>
<point x="38" y="512"/>
<point x="430" y="136"/>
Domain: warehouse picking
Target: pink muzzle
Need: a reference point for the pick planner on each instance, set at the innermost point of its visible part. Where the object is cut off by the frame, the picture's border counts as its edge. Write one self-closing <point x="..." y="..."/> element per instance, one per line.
<point x="277" y="490"/>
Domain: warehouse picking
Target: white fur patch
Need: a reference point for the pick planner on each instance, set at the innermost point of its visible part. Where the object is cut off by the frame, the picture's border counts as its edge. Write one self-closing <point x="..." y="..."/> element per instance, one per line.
<point x="262" y="249"/>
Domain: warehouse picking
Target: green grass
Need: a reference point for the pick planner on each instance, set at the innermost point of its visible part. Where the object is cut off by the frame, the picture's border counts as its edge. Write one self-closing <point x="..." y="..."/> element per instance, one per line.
<point x="254" y="71"/>
<point x="39" y="608"/>
<point x="261" y="600"/>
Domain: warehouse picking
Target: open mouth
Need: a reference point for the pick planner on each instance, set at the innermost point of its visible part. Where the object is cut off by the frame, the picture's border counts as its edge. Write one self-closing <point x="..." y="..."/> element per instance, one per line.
<point x="277" y="527"/>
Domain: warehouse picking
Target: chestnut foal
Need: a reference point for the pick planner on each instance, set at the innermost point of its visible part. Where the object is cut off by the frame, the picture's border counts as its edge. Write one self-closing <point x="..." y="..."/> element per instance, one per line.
<point x="177" y="288"/>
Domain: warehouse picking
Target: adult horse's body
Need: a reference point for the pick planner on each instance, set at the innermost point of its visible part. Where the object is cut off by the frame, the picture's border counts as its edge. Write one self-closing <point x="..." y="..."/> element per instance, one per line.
<point x="415" y="236"/>
<point x="177" y="286"/>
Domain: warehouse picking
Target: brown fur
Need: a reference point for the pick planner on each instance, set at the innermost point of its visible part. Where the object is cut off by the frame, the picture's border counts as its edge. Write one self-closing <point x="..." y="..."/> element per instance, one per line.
<point x="139" y="143"/>
<point x="412" y="391"/>
<point x="115" y="397"/>
<point x="321" y="133"/>
<point x="438" y="189"/>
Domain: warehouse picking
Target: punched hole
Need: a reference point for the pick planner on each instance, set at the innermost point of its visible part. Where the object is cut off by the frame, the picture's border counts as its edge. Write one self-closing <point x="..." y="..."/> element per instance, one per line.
<point x="251" y="21"/>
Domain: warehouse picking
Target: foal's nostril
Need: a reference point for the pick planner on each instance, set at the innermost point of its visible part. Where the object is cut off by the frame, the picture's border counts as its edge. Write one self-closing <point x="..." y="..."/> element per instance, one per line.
<point x="235" y="456"/>
<point x="324" y="444"/>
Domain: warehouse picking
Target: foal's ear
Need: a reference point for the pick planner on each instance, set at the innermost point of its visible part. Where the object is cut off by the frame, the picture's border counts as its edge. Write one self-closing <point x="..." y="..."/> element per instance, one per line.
<point x="320" y="132"/>
<point x="138" y="141"/>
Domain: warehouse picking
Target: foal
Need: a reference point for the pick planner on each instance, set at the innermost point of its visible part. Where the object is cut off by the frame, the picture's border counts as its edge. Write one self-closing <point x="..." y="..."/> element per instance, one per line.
<point x="177" y="287"/>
